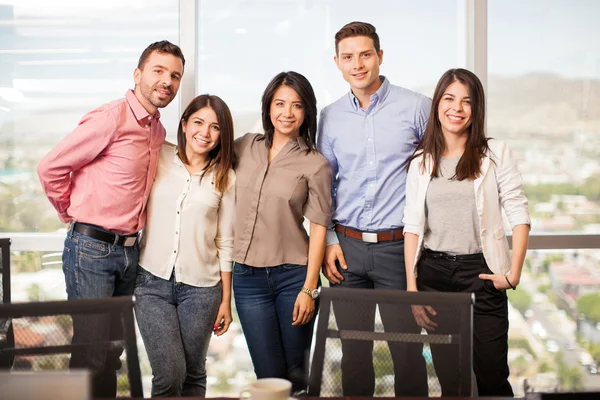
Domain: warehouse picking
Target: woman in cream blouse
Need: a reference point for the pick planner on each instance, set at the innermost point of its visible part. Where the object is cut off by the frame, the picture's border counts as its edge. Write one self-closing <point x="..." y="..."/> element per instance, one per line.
<point x="183" y="286"/>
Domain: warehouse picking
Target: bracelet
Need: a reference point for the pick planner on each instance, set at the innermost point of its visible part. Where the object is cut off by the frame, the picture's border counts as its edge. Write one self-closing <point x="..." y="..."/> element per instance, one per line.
<point x="509" y="284"/>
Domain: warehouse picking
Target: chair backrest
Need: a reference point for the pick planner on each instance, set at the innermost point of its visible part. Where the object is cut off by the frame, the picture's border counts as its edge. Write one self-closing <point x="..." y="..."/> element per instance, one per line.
<point x="358" y="305"/>
<point x="6" y="331"/>
<point x="5" y="269"/>
<point x="43" y="331"/>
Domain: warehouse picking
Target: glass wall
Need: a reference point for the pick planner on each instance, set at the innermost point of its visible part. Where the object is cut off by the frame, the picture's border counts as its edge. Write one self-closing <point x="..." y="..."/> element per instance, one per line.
<point x="244" y="44"/>
<point x="59" y="60"/>
<point x="544" y="100"/>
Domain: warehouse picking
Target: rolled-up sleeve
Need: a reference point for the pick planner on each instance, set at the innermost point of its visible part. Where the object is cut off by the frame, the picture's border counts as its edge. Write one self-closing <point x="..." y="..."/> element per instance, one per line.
<point x="318" y="205"/>
<point x="510" y="186"/>
<point x="226" y="215"/>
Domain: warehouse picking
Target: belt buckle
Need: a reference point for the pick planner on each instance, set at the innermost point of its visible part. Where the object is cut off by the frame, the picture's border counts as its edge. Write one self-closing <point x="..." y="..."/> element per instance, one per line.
<point x="130" y="241"/>
<point x="369" y="237"/>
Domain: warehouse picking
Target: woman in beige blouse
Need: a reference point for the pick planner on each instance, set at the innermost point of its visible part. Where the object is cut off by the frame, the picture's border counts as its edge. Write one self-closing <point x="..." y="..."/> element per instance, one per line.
<point x="183" y="286"/>
<point x="281" y="179"/>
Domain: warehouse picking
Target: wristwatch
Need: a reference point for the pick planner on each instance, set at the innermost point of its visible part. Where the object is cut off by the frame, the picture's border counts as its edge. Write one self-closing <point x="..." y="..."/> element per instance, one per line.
<point x="313" y="293"/>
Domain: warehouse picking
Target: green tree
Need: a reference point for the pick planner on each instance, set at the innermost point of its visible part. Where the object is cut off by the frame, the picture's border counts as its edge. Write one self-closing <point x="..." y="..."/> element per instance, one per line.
<point x="570" y="378"/>
<point x="589" y="306"/>
<point x="520" y="299"/>
<point x="34" y="292"/>
<point x="543" y="288"/>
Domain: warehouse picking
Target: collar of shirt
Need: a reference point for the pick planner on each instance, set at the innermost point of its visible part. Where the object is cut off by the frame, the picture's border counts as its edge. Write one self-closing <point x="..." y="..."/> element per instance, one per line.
<point x="177" y="161"/>
<point x="141" y="114"/>
<point x="296" y="141"/>
<point x="375" y="97"/>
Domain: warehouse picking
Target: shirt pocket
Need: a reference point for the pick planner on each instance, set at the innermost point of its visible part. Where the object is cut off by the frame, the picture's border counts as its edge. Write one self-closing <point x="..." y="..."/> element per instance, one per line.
<point x="283" y="183"/>
<point x="245" y="175"/>
<point x="499" y="232"/>
<point x="211" y="199"/>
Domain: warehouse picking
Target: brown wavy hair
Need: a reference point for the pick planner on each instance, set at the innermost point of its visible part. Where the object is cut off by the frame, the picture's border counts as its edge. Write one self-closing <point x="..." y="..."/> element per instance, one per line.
<point x="221" y="157"/>
<point x="354" y="29"/>
<point x="433" y="144"/>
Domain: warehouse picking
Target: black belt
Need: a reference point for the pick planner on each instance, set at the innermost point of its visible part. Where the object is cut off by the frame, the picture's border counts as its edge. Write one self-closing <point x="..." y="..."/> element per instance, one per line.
<point x="112" y="238"/>
<point x="452" y="257"/>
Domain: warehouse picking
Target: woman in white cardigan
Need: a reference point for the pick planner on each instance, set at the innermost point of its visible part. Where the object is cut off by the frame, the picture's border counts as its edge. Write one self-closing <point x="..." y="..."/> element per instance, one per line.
<point x="458" y="181"/>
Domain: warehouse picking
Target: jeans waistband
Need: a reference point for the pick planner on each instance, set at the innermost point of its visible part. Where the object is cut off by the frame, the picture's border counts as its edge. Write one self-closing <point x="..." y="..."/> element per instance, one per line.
<point x="104" y="236"/>
<point x="453" y="257"/>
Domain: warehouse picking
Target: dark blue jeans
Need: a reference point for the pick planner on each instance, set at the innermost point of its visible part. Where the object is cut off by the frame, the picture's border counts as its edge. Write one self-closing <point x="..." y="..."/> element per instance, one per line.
<point x="95" y="269"/>
<point x="176" y="321"/>
<point x="265" y="298"/>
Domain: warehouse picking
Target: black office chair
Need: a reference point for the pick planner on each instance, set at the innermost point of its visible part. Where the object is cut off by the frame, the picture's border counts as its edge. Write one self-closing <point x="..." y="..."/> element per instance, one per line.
<point x="346" y="316"/>
<point x="43" y="331"/>
<point x="7" y="339"/>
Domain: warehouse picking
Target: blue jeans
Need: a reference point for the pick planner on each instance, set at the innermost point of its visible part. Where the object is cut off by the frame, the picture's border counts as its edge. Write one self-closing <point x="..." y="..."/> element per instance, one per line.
<point x="95" y="269"/>
<point x="176" y="321"/>
<point x="265" y="298"/>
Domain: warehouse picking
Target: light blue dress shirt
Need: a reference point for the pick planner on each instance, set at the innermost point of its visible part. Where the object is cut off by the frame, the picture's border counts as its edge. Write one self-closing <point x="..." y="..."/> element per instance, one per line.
<point x="368" y="151"/>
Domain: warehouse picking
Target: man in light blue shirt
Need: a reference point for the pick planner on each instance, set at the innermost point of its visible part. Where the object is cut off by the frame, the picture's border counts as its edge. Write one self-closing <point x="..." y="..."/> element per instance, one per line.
<point x="368" y="136"/>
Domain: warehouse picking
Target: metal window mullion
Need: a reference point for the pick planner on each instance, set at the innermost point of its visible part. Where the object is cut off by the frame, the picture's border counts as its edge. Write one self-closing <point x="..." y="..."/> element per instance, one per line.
<point x="188" y="44"/>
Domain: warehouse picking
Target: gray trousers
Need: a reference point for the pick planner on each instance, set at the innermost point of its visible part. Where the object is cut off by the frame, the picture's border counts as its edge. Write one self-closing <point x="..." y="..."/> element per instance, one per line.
<point x="176" y="321"/>
<point x="377" y="266"/>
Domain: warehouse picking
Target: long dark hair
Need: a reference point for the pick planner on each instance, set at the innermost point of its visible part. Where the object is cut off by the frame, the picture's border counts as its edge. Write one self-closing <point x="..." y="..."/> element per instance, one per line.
<point x="221" y="156"/>
<point x="433" y="143"/>
<point x="296" y="81"/>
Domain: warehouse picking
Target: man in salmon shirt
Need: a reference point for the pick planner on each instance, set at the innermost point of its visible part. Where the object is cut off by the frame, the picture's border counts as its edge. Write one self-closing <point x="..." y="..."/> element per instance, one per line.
<point x="99" y="178"/>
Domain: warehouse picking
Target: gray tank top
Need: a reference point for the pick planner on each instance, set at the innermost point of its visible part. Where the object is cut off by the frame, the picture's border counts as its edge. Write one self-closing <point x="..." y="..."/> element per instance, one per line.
<point x="452" y="224"/>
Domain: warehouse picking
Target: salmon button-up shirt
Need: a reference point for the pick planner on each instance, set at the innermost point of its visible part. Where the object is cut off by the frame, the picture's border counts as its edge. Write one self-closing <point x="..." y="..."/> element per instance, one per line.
<point x="102" y="172"/>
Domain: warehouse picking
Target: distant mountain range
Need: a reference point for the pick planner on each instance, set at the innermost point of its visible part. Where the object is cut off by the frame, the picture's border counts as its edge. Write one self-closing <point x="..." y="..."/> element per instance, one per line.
<point x="543" y="103"/>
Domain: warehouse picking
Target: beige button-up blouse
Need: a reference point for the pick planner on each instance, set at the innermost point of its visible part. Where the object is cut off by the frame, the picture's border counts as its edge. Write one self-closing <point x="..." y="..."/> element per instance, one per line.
<point x="272" y="200"/>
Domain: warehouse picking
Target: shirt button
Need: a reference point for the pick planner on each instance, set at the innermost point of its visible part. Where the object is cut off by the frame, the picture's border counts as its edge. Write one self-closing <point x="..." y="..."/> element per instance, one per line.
<point x="177" y="212"/>
<point x="370" y="162"/>
<point x="188" y="180"/>
<point x="369" y="139"/>
<point x="174" y="251"/>
<point x="368" y="206"/>
<point x="177" y="233"/>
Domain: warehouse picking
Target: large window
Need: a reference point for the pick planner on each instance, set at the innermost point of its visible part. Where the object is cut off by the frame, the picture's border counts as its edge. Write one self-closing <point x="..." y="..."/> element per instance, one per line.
<point x="59" y="60"/>
<point x="243" y="45"/>
<point x="544" y="100"/>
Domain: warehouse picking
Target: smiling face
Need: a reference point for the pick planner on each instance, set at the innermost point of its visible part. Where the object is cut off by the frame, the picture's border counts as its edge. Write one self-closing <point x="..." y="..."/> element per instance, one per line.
<point x="157" y="82"/>
<point x="202" y="132"/>
<point x="454" y="110"/>
<point x="359" y="62"/>
<point x="287" y="112"/>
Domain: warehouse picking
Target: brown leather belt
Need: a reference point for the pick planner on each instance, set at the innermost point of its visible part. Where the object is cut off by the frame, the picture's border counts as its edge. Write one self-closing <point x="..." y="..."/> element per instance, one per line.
<point x="371" y="237"/>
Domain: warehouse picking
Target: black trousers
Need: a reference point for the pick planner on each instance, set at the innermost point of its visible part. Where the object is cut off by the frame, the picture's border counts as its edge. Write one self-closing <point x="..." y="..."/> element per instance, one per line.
<point x="441" y="273"/>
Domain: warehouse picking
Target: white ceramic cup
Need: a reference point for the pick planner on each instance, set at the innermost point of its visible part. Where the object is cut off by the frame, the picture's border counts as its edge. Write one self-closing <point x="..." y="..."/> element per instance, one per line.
<point x="267" y="389"/>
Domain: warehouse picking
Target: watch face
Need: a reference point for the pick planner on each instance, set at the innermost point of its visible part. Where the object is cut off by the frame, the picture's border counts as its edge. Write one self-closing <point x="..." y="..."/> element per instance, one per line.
<point x="315" y="293"/>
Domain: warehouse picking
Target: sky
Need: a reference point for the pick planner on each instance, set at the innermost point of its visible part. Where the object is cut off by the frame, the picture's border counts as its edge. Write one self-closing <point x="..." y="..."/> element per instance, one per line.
<point x="242" y="44"/>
